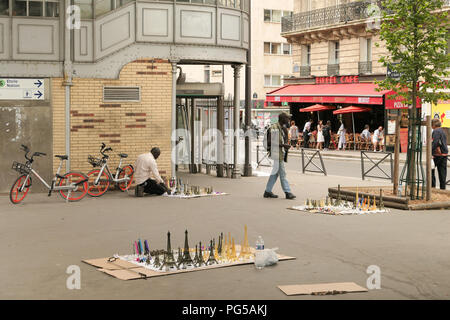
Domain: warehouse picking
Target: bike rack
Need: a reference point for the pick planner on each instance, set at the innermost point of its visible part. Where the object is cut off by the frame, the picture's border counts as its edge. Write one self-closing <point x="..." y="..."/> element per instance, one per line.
<point x="376" y="164"/>
<point x="310" y="156"/>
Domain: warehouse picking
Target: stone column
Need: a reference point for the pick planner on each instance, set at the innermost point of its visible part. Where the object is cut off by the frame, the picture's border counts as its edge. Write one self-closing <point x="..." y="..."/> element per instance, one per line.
<point x="174" y="118"/>
<point x="237" y="99"/>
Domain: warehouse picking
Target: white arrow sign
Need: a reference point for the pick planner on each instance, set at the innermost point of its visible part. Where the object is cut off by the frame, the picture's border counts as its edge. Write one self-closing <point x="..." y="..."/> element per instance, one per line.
<point x="22" y="89"/>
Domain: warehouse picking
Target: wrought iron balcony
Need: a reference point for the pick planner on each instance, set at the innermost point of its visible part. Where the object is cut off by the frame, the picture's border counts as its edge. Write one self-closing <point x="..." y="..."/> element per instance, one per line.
<point x="333" y="69"/>
<point x="365" y="67"/>
<point x="345" y="13"/>
<point x="305" y="71"/>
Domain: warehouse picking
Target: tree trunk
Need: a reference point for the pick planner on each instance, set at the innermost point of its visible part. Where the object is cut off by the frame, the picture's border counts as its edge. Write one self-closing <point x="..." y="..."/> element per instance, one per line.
<point x="397" y="153"/>
<point x="413" y="148"/>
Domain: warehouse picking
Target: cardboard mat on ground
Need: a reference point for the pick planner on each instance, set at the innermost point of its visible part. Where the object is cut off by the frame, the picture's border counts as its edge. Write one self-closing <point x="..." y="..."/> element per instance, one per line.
<point x="125" y="270"/>
<point x="322" y="289"/>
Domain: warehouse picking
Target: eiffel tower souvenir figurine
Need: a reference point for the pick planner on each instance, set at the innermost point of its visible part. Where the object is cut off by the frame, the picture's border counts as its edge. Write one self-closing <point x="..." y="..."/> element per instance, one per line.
<point x="180" y="256"/>
<point x="186" y="260"/>
<point x="212" y="259"/>
<point x="156" y="262"/>
<point x="245" y="248"/>
<point x="169" y="260"/>
<point x="233" y="256"/>
<point x="198" y="260"/>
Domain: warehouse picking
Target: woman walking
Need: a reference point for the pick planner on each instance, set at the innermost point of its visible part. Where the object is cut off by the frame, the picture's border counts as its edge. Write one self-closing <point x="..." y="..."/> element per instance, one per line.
<point x="293" y="134"/>
<point x="320" y="137"/>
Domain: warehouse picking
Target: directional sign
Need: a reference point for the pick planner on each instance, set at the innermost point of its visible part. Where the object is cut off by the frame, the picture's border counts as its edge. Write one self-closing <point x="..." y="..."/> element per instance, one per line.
<point x="393" y="74"/>
<point x="22" y="89"/>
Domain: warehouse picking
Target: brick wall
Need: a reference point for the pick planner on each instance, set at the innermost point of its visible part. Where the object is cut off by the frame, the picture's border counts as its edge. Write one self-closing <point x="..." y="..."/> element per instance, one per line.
<point x="126" y="127"/>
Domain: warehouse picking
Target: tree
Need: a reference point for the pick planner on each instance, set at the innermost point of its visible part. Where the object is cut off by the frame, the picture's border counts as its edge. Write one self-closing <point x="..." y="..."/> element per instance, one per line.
<point x="415" y="34"/>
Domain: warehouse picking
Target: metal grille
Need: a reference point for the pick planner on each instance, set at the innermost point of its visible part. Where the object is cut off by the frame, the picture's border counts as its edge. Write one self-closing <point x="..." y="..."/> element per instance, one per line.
<point x="21" y="168"/>
<point x="326" y="16"/>
<point x="121" y="94"/>
<point x="305" y="71"/>
<point x="365" y="67"/>
<point x="333" y="69"/>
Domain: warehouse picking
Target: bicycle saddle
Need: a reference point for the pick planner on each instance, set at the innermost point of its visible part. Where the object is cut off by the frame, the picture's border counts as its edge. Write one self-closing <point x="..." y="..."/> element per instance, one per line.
<point x="62" y="157"/>
<point x="123" y="155"/>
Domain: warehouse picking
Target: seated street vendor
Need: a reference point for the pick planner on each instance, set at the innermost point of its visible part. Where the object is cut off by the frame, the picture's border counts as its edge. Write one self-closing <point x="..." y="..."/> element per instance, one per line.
<point x="147" y="175"/>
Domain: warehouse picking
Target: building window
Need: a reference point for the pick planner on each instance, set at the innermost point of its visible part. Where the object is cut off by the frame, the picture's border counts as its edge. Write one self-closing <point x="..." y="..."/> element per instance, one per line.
<point x="4" y="7"/>
<point x="334" y="52"/>
<point x="365" y="56"/>
<point x="217" y="73"/>
<point x="275" y="15"/>
<point x="306" y="55"/>
<point x="272" y="80"/>
<point x="85" y="8"/>
<point x="35" y="8"/>
<point x="287" y="49"/>
<point x="207" y="74"/>
<point x="277" y="48"/>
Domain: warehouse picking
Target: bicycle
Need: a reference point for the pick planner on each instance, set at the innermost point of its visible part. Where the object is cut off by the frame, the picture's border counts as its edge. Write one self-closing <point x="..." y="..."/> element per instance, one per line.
<point x="100" y="179"/>
<point x="72" y="186"/>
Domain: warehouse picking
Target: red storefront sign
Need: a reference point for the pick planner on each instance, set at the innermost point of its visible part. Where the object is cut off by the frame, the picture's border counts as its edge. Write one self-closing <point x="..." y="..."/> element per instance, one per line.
<point x="337" y="80"/>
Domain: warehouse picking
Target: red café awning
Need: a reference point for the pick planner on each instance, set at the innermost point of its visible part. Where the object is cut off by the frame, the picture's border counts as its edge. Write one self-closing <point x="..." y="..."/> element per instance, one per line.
<point x="352" y="109"/>
<point x="354" y="93"/>
<point x="317" y="107"/>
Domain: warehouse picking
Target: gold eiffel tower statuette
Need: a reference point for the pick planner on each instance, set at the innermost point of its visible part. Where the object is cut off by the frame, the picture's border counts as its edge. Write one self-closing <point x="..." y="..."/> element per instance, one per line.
<point x="245" y="248"/>
<point x="196" y="255"/>
<point x="199" y="261"/>
<point x="357" y="198"/>
<point x="169" y="260"/>
<point x="374" y="205"/>
<point x="211" y="260"/>
<point x="186" y="260"/>
<point x="233" y="256"/>
<point x="216" y="251"/>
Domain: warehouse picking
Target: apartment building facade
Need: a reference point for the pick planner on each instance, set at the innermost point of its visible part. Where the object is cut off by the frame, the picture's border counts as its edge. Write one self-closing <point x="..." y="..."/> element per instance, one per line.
<point x="271" y="60"/>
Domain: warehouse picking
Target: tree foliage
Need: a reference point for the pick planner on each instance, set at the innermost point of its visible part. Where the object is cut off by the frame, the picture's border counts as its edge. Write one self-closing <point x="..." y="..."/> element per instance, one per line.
<point x="415" y="34"/>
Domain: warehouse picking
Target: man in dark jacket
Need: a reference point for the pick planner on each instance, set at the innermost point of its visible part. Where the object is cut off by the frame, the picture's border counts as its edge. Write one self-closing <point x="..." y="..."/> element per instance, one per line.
<point x="440" y="153"/>
<point x="278" y="147"/>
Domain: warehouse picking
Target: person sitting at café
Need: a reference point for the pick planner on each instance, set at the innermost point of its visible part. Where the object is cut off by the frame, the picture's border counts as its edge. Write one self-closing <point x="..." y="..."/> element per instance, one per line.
<point x="365" y="135"/>
<point x="377" y="139"/>
<point x="147" y="175"/>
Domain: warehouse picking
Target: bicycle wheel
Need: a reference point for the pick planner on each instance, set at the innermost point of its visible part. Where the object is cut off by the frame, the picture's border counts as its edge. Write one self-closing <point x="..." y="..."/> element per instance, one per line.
<point x="79" y="191"/>
<point x="97" y="190"/>
<point x="127" y="171"/>
<point x="15" y="195"/>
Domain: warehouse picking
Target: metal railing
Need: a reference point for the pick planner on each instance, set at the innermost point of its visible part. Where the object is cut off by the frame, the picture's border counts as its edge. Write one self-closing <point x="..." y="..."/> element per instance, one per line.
<point x="376" y="162"/>
<point x="305" y="71"/>
<point x="333" y="69"/>
<point x="344" y="13"/>
<point x="365" y="67"/>
<point x="310" y="156"/>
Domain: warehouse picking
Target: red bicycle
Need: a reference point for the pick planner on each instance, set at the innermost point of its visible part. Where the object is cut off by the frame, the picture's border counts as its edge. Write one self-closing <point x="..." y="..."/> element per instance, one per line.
<point x="100" y="179"/>
<point x="72" y="186"/>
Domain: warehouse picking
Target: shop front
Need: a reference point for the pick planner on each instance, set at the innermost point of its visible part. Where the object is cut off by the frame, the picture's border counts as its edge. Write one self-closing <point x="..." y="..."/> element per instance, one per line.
<point x="340" y="92"/>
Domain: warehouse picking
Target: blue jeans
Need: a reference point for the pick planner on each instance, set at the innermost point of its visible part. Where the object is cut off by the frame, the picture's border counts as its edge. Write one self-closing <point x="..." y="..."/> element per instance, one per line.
<point x="278" y="170"/>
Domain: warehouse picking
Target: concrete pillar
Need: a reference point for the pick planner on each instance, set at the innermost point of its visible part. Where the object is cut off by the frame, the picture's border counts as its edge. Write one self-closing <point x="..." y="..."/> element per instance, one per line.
<point x="174" y="159"/>
<point x="237" y="99"/>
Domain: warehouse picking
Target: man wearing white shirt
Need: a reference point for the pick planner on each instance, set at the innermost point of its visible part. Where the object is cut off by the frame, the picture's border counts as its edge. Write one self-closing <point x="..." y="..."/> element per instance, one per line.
<point x="147" y="175"/>
<point x="306" y="133"/>
<point x="377" y="138"/>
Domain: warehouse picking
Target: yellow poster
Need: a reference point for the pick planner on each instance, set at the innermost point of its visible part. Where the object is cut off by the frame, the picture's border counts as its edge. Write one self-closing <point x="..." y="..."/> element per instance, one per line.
<point x="441" y="111"/>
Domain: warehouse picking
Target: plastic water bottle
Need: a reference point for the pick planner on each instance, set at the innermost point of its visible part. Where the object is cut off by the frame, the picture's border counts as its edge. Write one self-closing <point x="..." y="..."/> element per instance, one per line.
<point x="259" y="256"/>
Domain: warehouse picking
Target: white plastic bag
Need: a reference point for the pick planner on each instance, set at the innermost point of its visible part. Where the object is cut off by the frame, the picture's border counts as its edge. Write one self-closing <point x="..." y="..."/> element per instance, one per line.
<point x="266" y="257"/>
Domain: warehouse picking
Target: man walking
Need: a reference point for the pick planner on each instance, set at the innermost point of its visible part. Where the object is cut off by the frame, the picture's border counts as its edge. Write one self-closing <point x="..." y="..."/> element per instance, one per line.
<point x="147" y="175"/>
<point x="278" y="147"/>
<point x="440" y="153"/>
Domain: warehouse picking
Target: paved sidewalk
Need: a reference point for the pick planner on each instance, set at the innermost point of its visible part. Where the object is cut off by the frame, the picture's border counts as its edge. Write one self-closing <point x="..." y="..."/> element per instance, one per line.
<point x="40" y="238"/>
